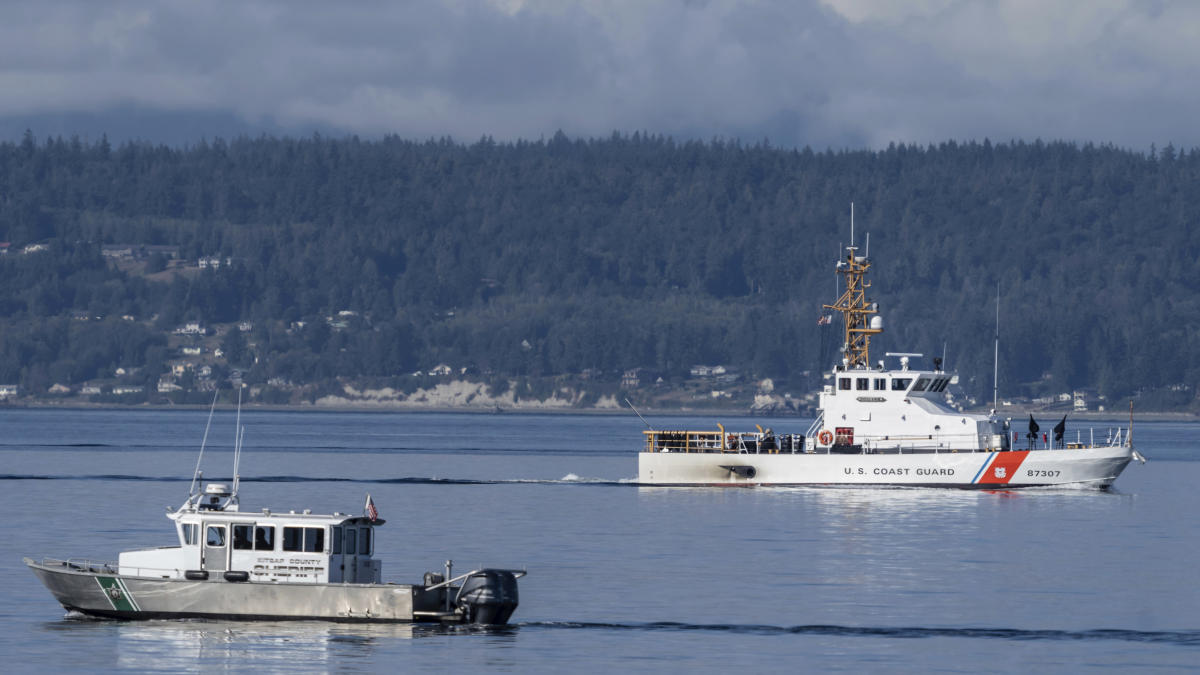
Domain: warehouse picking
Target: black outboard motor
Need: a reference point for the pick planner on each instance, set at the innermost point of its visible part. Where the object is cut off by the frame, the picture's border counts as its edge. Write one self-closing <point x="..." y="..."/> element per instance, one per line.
<point x="488" y="597"/>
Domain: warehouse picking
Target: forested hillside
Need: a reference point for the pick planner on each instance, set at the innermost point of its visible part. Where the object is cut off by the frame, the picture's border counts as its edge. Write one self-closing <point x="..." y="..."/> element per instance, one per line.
<point x="535" y="260"/>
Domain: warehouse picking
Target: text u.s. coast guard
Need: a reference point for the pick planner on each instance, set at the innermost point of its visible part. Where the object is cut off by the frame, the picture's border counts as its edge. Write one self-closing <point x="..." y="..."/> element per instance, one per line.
<point x="897" y="471"/>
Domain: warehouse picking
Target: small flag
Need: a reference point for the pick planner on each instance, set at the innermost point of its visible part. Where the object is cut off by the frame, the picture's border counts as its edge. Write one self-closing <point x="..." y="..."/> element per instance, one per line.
<point x="372" y="512"/>
<point x="1060" y="428"/>
<point x="1033" y="428"/>
<point x="825" y="320"/>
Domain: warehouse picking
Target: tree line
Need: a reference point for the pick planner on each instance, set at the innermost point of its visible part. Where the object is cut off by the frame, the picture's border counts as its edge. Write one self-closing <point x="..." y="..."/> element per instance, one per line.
<point x="548" y="258"/>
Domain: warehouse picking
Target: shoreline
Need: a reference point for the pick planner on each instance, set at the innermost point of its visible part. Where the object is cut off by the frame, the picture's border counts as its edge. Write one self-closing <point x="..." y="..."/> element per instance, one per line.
<point x="1015" y="414"/>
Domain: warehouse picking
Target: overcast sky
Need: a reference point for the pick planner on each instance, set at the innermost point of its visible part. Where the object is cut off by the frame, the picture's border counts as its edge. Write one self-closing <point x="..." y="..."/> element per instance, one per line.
<point x="840" y="73"/>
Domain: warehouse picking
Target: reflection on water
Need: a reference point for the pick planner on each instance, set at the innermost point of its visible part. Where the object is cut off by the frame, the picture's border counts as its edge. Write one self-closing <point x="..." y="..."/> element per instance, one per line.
<point x="291" y="645"/>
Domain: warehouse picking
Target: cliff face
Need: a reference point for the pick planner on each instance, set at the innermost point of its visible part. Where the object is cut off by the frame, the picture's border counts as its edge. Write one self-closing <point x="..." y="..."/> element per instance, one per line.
<point x="463" y="395"/>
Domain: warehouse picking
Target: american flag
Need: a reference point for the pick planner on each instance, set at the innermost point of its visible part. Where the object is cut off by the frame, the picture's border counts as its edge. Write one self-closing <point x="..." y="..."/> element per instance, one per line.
<point x="825" y="320"/>
<point x="372" y="512"/>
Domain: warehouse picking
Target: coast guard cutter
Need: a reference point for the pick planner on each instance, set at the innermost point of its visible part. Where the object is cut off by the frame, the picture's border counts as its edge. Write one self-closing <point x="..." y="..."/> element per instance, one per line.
<point x="884" y="424"/>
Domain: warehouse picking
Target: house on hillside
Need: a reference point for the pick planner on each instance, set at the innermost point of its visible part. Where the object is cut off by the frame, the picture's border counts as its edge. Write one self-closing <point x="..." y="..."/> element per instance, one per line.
<point x="213" y="262"/>
<point x="632" y="378"/>
<point x="10" y="390"/>
<point x="167" y="385"/>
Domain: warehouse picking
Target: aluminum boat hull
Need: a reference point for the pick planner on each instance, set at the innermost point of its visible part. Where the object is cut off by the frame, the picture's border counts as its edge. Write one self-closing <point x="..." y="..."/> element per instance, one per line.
<point x="100" y="592"/>
<point x="1087" y="467"/>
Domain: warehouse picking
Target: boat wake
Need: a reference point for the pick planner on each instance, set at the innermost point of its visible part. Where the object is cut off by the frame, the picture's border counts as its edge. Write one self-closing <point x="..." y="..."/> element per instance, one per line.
<point x="1184" y="638"/>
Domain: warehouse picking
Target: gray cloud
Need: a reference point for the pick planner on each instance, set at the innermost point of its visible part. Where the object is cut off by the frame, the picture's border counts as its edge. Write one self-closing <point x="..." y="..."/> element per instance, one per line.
<point x="837" y="72"/>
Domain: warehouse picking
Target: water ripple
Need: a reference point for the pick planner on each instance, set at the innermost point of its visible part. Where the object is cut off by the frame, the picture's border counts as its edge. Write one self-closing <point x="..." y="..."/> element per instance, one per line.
<point x="1186" y="638"/>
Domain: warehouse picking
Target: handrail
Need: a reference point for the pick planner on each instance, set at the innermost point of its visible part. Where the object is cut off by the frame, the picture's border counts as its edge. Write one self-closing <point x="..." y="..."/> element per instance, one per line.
<point x="516" y="574"/>
<point x="749" y="442"/>
<point x="107" y="567"/>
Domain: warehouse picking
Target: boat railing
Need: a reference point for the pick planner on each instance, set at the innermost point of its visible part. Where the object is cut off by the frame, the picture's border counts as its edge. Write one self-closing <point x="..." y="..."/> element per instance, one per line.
<point x="1114" y="438"/>
<point x="764" y="443"/>
<point x="685" y="441"/>
<point x="111" y="567"/>
<point x="718" y="441"/>
<point x="82" y="565"/>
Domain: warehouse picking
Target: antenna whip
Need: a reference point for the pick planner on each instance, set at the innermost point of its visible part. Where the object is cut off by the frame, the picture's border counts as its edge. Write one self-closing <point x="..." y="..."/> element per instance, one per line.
<point x="635" y="412"/>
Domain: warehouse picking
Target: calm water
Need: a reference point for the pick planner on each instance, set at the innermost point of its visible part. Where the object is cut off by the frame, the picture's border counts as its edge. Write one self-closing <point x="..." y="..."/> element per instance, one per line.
<point x="621" y="577"/>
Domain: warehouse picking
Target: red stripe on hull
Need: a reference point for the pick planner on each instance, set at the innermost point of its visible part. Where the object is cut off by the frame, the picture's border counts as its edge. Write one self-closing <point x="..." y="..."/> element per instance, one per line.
<point x="1004" y="468"/>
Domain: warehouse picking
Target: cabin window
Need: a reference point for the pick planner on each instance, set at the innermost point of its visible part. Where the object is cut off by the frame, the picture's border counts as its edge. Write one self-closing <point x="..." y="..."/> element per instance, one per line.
<point x="264" y="538"/>
<point x="939" y="384"/>
<point x="351" y="540"/>
<point x="190" y="532"/>
<point x="844" y="383"/>
<point x="901" y="383"/>
<point x="242" y="540"/>
<point x="880" y="384"/>
<point x="215" y="536"/>
<point x="307" y="539"/>
<point x="862" y="384"/>
<point x="921" y="384"/>
<point x="293" y="538"/>
<point x="337" y="540"/>
<point x="364" y="542"/>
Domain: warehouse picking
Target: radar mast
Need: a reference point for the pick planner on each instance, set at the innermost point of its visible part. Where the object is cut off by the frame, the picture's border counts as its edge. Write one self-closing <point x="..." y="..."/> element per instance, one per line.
<point x="855" y="308"/>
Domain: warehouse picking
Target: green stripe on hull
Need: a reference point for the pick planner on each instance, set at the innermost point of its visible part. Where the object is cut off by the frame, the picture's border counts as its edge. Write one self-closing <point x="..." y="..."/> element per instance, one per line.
<point x="117" y="594"/>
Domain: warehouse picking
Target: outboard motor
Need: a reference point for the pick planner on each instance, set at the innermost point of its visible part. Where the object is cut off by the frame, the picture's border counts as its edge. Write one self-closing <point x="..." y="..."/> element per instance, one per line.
<point x="488" y="597"/>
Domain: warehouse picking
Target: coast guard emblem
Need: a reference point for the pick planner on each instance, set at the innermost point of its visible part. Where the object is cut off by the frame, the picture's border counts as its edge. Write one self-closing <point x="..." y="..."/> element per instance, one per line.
<point x="1001" y="472"/>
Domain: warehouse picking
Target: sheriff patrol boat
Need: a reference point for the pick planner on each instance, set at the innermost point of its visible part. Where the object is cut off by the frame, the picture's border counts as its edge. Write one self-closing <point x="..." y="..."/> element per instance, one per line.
<point x="271" y="565"/>
<point x="884" y="424"/>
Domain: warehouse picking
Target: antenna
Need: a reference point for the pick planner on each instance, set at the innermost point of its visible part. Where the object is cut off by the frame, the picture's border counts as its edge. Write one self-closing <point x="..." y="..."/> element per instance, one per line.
<point x="868" y="251"/>
<point x="203" y="442"/>
<point x="635" y="412"/>
<point x="996" y="354"/>
<point x="943" y="356"/>
<point x="237" y="446"/>
<point x="1129" y="436"/>
<point x="851" y="224"/>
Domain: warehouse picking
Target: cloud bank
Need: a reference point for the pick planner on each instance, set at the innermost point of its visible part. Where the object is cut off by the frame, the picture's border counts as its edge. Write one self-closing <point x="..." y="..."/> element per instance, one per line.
<point x="840" y="73"/>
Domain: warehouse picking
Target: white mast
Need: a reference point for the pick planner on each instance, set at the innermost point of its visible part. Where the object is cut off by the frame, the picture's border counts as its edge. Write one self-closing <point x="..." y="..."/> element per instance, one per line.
<point x="851" y="224"/>
<point x="203" y="442"/>
<point x="238" y="435"/>
<point x="996" y="355"/>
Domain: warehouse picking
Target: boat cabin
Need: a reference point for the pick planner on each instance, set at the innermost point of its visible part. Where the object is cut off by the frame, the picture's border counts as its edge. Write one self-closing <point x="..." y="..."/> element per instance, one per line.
<point x="899" y="410"/>
<point x="218" y="540"/>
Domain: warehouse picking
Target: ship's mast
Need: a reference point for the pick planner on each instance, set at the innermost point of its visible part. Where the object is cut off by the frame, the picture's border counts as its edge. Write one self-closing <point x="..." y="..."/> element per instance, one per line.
<point x="856" y="310"/>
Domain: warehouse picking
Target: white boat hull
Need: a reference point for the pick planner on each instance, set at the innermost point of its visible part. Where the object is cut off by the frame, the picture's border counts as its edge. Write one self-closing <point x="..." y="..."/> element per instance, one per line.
<point x="1090" y="467"/>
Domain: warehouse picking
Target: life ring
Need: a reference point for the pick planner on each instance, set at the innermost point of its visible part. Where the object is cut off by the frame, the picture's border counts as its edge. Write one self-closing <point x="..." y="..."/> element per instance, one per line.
<point x="826" y="437"/>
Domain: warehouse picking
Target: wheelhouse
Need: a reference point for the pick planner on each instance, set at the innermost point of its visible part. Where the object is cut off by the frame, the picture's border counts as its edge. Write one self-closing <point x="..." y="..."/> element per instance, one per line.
<point x="291" y="547"/>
